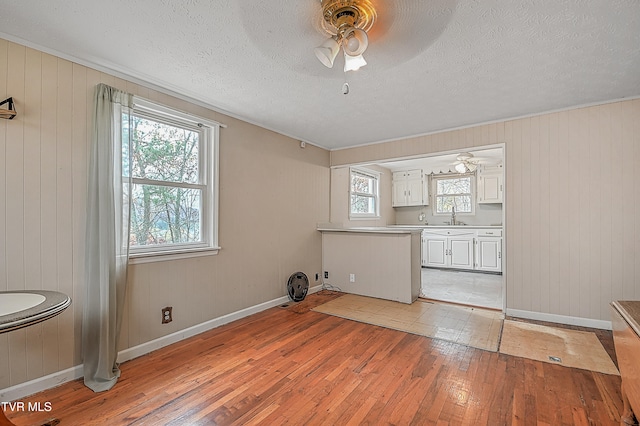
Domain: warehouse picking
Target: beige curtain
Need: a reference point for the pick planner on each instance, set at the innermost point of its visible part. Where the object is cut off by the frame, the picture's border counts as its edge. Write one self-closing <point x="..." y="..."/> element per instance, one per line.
<point x="107" y="238"/>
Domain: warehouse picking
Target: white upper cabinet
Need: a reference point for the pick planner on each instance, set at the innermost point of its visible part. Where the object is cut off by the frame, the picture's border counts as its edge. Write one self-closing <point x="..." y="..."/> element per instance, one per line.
<point x="399" y="195"/>
<point x="490" y="183"/>
<point x="410" y="189"/>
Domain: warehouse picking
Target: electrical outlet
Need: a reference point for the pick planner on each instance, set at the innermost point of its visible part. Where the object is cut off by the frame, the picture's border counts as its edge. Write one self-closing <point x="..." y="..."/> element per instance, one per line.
<point x="167" y="315"/>
<point x="326" y="275"/>
<point x="352" y="278"/>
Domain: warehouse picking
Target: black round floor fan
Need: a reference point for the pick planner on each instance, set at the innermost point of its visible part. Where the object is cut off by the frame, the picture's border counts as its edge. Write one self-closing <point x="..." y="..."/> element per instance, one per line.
<point x="298" y="286"/>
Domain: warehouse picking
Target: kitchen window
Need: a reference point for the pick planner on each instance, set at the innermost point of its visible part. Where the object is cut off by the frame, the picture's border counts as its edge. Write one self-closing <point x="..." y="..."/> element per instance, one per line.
<point x="364" y="194"/>
<point x="173" y="166"/>
<point x="455" y="192"/>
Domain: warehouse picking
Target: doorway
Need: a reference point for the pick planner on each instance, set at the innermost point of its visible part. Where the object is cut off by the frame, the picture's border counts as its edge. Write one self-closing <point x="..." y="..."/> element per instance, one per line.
<point x="461" y="286"/>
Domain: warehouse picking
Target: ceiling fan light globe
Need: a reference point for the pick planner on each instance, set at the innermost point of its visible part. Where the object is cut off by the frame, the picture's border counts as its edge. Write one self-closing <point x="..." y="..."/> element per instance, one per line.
<point x="461" y="168"/>
<point x="327" y="52"/>
<point x="355" y="42"/>
<point x="353" y="63"/>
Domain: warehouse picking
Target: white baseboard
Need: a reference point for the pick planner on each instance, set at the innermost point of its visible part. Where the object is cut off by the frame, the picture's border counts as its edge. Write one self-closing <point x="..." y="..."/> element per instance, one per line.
<point x="560" y="319"/>
<point x="55" y="379"/>
<point x="145" y="348"/>
<point x="41" y="383"/>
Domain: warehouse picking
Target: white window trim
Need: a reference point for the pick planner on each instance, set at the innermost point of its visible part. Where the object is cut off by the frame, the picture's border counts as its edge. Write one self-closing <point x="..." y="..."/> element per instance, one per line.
<point x="376" y="176"/>
<point x="434" y="182"/>
<point x="210" y="208"/>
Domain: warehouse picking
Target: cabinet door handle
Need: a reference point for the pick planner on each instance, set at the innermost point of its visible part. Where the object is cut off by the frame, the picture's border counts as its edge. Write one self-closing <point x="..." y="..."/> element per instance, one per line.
<point x="499" y="255"/>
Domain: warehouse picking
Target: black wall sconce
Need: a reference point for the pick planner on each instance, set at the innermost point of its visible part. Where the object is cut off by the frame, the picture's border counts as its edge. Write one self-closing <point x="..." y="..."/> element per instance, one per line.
<point x="10" y="112"/>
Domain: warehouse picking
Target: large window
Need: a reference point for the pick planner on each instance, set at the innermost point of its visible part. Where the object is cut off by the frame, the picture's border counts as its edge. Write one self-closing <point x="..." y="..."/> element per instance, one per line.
<point x="363" y="191"/>
<point x="174" y="180"/>
<point x="454" y="192"/>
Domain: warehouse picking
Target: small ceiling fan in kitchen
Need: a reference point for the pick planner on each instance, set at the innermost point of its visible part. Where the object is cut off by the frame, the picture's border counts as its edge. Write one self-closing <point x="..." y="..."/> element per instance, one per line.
<point x="466" y="162"/>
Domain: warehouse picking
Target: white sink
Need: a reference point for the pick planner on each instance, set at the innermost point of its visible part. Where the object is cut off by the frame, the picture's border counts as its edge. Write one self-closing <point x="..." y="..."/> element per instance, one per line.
<point x="16" y="302"/>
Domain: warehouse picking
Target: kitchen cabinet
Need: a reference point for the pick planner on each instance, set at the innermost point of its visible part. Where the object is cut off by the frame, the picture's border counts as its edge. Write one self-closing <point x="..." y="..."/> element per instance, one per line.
<point x="489" y="250"/>
<point x="490" y="183"/>
<point x="434" y="250"/>
<point x="410" y="189"/>
<point x="448" y="248"/>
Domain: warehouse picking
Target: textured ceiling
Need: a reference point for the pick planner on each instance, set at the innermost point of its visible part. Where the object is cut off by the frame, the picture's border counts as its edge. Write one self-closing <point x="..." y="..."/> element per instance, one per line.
<point x="433" y="65"/>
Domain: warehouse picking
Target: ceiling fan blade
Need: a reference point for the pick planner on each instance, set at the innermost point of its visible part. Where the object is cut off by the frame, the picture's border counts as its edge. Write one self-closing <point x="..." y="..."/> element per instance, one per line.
<point x="406" y="28"/>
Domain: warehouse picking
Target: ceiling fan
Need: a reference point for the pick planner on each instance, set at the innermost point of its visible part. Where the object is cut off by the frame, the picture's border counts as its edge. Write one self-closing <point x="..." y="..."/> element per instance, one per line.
<point x="347" y="23"/>
<point x="395" y="32"/>
<point x="466" y="162"/>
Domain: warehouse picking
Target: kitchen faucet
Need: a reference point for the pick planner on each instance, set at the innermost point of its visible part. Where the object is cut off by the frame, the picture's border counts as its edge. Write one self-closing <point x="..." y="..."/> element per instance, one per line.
<point x="453" y="215"/>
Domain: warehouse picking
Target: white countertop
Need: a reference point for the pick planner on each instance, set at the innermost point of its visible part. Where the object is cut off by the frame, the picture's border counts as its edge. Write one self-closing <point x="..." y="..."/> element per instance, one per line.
<point x="397" y="229"/>
<point x="372" y="229"/>
<point x="447" y="226"/>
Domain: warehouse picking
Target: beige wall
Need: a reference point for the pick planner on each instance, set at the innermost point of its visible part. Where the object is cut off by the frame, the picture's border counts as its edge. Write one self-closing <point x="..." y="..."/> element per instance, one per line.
<point x="572" y="210"/>
<point x="272" y="195"/>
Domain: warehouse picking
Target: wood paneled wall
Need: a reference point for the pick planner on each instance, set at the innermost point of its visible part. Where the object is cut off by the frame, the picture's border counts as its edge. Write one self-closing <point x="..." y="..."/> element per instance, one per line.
<point x="386" y="266"/>
<point x="572" y="203"/>
<point x="272" y="195"/>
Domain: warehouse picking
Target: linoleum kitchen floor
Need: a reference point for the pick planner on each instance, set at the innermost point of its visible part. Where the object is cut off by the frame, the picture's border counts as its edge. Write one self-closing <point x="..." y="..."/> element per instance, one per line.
<point x="463" y="287"/>
<point x="478" y="328"/>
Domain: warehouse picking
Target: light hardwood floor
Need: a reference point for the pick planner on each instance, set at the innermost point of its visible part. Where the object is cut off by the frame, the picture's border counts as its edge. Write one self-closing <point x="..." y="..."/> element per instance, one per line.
<point x="295" y="366"/>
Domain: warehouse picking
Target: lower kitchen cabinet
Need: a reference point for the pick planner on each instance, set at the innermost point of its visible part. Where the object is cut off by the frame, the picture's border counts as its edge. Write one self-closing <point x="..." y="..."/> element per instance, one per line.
<point x="461" y="252"/>
<point x="434" y="251"/>
<point x="489" y="254"/>
<point x="471" y="249"/>
<point x="448" y="249"/>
